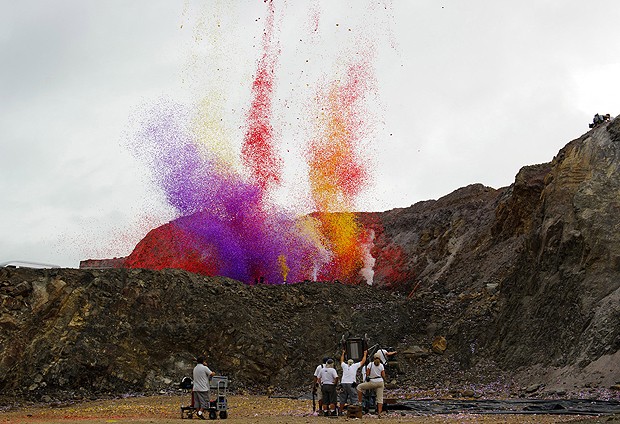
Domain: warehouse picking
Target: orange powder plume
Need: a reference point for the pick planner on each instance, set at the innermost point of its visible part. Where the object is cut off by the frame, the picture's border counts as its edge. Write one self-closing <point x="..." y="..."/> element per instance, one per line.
<point x="337" y="172"/>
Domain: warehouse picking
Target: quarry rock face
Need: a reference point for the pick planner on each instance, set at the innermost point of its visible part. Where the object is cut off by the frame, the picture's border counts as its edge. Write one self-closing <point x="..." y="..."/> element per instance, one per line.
<point x="545" y="248"/>
<point x="522" y="283"/>
<point x="566" y="279"/>
<point x="125" y="330"/>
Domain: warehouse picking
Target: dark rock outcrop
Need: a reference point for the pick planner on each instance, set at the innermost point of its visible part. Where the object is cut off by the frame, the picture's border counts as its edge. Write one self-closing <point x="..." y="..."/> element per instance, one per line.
<point x="560" y="302"/>
<point x="121" y="330"/>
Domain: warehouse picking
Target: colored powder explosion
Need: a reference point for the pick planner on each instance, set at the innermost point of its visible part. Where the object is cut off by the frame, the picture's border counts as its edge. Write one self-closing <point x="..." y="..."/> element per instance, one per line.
<point x="258" y="149"/>
<point x="226" y="226"/>
<point x="337" y="172"/>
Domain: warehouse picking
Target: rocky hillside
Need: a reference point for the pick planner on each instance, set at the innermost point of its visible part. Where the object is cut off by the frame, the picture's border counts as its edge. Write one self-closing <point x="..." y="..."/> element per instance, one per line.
<point x="522" y="282"/>
<point x="547" y="247"/>
<point x="133" y="330"/>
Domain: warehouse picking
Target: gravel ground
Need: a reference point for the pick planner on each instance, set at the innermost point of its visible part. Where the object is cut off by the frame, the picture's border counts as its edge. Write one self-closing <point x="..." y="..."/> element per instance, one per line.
<point x="244" y="409"/>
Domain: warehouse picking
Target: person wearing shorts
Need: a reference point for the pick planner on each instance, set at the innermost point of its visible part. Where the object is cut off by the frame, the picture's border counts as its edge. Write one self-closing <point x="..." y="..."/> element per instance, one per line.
<point x="201" y="375"/>
<point x="329" y="381"/>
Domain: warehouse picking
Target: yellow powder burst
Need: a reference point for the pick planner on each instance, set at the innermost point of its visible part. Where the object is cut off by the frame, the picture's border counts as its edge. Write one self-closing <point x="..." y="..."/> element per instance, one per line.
<point x="337" y="174"/>
<point x="212" y="136"/>
<point x="283" y="267"/>
<point x="342" y="231"/>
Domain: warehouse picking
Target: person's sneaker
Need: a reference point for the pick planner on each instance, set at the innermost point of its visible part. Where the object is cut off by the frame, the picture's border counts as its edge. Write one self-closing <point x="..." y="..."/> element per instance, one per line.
<point x="334" y="413"/>
<point x="201" y="415"/>
<point x="326" y="413"/>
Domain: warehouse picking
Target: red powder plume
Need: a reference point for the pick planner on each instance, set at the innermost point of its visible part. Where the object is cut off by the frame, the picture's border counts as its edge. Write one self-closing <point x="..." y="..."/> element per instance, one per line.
<point x="391" y="267"/>
<point x="258" y="152"/>
<point x="171" y="247"/>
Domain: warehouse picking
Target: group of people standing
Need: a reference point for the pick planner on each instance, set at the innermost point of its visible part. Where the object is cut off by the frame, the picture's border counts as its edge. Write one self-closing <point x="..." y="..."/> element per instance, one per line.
<point x="599" y="119"/>
<point x="326" y="377"/>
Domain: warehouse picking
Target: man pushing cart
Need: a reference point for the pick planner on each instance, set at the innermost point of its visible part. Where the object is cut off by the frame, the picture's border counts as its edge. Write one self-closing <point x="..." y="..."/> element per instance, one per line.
<point x="205" y="382"/>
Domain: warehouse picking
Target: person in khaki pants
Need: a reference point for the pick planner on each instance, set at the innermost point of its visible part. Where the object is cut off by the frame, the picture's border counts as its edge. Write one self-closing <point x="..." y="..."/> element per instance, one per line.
<point x="375" y="376"/>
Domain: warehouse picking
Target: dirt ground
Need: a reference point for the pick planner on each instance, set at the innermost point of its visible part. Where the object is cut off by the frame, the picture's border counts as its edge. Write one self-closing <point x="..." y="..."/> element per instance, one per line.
<point x="244" y="409"/>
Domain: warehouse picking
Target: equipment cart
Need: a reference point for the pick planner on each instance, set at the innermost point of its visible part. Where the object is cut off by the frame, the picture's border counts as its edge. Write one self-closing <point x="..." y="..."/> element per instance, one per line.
<point x="217" y="402"/>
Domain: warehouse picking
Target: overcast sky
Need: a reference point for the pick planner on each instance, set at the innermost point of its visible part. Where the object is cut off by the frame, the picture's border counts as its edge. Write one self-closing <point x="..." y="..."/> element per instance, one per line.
<point x="467" y="91"/>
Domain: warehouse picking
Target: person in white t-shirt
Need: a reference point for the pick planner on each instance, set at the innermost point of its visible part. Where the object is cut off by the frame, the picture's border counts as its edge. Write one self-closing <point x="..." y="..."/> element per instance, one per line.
<point x="385" y="355"/>
<point x="348" y="395"/>
<point x="375" y="373"/>
<point x="201" y="375"/>
<point x="316" y="384"/>
<point x="329" y="381"/>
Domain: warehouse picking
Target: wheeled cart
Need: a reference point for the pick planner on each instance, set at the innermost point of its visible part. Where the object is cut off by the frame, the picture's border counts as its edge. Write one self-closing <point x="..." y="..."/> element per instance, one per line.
<point x="217" y="402"/>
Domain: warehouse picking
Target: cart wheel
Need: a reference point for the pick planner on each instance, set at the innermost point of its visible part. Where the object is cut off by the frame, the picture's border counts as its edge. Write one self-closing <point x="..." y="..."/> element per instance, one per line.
<point x="223" y="414"/>
<point x="185" y="413"/>
<point x="212" y="415"/>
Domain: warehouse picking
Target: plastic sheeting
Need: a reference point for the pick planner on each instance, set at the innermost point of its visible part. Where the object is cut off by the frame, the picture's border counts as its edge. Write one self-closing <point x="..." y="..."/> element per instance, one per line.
<point x="516" y="406"/>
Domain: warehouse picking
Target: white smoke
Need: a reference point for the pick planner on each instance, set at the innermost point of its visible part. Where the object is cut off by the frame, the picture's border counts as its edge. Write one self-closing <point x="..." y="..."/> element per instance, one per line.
<point x="367" y="270"/>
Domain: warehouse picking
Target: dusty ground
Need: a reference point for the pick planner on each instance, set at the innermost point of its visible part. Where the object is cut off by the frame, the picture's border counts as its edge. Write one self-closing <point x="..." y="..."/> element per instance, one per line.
<point x="244" y="409"/>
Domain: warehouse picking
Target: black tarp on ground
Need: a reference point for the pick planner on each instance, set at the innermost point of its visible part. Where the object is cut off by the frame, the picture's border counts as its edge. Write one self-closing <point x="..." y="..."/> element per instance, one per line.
<point x="516" y="406"/>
